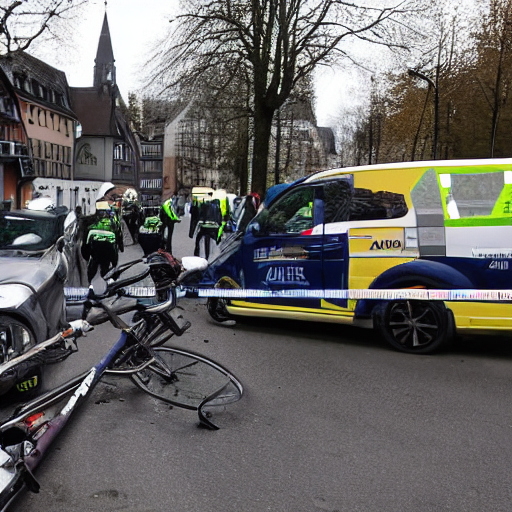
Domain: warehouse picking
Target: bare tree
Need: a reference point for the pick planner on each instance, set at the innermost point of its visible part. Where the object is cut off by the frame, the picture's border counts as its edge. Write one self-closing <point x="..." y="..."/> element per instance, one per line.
<point x="279" y="42"/>
<point x="495" y="55"/>
<point x="24" y="21"/>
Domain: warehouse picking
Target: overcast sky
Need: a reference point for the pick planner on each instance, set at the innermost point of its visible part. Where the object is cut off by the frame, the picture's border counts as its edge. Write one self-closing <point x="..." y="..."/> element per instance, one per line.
<point x="134" y="27"/>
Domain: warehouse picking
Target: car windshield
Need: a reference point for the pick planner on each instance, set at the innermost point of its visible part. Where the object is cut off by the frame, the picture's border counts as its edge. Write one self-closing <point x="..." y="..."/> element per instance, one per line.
<point x="27" y="233"/>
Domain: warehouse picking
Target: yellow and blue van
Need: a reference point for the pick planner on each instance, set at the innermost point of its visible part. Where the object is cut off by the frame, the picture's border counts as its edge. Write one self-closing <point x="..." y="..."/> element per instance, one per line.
<point x="334" y="245"/>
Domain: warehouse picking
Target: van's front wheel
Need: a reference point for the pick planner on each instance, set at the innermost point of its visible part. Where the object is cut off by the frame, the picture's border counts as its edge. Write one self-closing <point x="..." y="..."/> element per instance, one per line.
<point x="217" y="309"/>
<point x="414" y="326"/>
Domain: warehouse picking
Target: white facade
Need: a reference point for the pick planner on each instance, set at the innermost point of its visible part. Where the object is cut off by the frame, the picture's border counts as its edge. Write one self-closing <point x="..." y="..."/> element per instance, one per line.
<point x="69" y="193"/>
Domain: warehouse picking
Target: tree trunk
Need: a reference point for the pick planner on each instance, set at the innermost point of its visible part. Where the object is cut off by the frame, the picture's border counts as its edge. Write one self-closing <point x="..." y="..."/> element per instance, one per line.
<point x="242" y="155"/>
<point x="416" y="137"/>
<point x="262" y="129"/>
<point x="497" y="98"/>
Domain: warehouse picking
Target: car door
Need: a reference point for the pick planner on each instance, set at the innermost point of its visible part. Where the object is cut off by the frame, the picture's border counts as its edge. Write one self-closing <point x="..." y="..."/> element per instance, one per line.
<point x="283" y="246"/>
<point x="337" y="197"/>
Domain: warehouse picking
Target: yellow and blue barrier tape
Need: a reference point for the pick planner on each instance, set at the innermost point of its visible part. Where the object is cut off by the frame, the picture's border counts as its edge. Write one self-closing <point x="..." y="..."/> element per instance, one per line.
<point x="354" y="294"/>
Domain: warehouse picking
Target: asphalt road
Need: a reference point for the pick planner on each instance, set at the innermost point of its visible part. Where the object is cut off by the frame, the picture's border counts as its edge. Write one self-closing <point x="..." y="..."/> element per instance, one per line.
<point x="332" y="420"/>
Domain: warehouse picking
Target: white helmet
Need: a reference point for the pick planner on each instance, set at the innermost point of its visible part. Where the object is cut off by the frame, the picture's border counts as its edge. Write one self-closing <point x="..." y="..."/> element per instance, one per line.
<point x="104" y="188"/>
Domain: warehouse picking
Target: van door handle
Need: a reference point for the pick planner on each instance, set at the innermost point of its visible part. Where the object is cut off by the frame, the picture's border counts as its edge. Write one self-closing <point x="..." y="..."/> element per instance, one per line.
<point x="362" y="237"/>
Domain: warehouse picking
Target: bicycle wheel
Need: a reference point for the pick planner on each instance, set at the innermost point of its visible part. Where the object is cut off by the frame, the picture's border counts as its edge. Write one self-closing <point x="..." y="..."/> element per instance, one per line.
<point x="190" y="381"/>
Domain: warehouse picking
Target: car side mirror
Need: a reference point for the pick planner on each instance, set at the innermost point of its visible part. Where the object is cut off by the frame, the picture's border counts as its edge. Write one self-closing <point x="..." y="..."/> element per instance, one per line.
<point x="60" y="244"/>
<point x="69" y="220"/>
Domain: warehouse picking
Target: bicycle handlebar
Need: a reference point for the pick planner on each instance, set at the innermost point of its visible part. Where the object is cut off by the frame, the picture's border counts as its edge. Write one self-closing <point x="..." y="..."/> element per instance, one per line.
<point x="113" y="287"/>
<point x="97" y="310"/>
<point x="117" y="271"/>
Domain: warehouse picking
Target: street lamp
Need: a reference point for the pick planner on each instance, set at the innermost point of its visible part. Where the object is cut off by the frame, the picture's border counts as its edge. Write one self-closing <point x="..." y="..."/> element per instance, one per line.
<point x="434" y="85"/>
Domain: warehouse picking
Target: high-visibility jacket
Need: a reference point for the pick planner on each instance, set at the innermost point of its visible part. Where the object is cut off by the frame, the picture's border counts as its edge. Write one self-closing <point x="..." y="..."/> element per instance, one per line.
<point x="169" y="211"/>
<point x="224" y="208"/>
<point x="151" y="225"/>
<point x="101" y="235"/>
<point x="103" y="230"/>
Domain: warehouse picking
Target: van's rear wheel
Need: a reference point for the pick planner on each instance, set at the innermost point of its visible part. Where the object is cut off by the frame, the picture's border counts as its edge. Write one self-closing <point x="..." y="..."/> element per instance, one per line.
<point x="414" y="326"/>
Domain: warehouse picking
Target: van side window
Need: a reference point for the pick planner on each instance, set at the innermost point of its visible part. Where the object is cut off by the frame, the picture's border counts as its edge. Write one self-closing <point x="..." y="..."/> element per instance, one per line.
<point x="425" y="195"/>
<point x="337" y="200"/>
<point x="427" y="201"/>
<point x="291" y="214"/>
<point x="342" y="203"/>
<point x="476" y="194"/>
<point x="368" y="205"/>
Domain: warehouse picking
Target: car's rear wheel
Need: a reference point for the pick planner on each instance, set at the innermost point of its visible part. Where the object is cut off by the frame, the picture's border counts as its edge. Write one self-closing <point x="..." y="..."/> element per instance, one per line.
<point x="414" y="326"/>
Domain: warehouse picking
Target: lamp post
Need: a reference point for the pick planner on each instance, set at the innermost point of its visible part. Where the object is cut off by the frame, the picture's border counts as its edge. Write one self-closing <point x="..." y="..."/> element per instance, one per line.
<point x="434" y="85"/>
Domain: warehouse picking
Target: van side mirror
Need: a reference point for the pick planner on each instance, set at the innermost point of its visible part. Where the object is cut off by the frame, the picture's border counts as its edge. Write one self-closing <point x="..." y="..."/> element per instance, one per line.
<point x="254" y="228"/>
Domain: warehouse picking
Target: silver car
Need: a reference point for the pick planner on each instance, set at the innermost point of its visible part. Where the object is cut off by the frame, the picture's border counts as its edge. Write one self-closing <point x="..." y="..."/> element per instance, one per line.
<point x="37" y="249"/>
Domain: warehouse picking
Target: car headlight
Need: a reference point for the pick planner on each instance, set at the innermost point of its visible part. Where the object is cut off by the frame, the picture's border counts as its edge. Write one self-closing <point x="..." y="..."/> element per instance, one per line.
<point x="13" y="295"/>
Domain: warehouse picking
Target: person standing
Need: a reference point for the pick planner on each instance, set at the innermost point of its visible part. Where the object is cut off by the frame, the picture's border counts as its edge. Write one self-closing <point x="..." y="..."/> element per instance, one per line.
<point x="132" y="215"/>
<point x="168" y="217"/>
<point x="103" y="241"/>
<point x="208" y="225"/>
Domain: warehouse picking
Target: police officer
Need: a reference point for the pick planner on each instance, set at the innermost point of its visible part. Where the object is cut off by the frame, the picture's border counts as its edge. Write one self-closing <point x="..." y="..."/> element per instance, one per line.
<point x="168" y="217"/>
<point x="104" y="240"/>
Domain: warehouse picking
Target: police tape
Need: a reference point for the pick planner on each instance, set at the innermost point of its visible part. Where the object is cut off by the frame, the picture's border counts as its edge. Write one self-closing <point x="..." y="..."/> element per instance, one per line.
<point x="78" y="294"/>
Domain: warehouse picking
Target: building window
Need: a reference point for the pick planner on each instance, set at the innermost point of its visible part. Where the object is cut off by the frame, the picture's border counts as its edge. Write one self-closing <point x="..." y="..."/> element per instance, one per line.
<point x="120" y="152"/>
<point x="151" y="166"/>
<point x="6" y="105"/>
<point x="36" y="89"/>
<point x="34" y="147"/>
<point x="30" y="113"/>
<point x="152" y="150"/>
<point x="151" y="184"/>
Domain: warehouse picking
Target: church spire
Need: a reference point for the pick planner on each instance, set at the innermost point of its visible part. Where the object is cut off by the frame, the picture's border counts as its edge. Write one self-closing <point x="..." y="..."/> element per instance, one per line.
<point x="104" y="70"/>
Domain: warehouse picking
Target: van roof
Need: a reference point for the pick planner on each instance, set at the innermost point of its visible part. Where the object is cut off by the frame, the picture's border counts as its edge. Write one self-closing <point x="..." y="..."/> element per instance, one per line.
<point x="427" y="164"/>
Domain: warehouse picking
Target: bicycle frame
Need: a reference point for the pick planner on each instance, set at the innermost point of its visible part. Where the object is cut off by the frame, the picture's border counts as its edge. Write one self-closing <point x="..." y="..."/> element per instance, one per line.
<point x="41" y="436"/>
